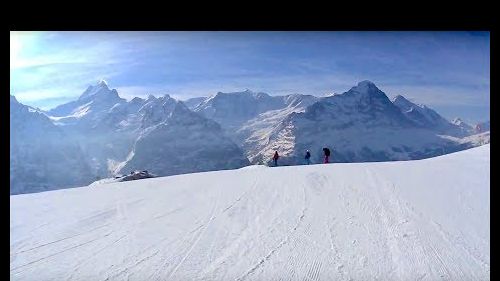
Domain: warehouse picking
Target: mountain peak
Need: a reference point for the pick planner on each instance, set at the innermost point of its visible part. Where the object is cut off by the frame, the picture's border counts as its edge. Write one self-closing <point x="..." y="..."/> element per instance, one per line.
<point x="366" y="83"/>
<point x="401" y="101"/>
<point x="365" y="90"/>
<point x="330" y="94"/>
<point x="180" y="112"/>
<point x="137" y="99"/>
<point x="102" y="83"/>
<point x="100" y="88"/>
<point x="365" y="87"/>
<point x="400" y="98"/>
<point x="460" y="123"/>
<point x="13" y="99"/>
<point x="247" y="94"/>
<point x="179" y="106"/>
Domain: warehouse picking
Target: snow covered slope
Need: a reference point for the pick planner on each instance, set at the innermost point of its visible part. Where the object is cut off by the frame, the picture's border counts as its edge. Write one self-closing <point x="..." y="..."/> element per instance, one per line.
<point x="412" y="220"/>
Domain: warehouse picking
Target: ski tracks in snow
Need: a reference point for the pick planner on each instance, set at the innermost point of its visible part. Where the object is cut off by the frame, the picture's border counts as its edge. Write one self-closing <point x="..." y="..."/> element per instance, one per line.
<point x="283" y="241"/>
<point x="201" y="231"/>
<point x="212" y="217"/>
<point x="314" y="224"/>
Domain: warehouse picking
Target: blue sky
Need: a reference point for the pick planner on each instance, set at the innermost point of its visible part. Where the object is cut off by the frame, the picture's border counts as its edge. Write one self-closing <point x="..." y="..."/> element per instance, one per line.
<point x="448" y="71"/>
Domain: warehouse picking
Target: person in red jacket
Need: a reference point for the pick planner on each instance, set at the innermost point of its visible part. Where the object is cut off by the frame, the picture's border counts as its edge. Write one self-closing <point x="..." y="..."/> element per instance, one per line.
<point x="275" y="158"/>
<point x="326" y="151"/>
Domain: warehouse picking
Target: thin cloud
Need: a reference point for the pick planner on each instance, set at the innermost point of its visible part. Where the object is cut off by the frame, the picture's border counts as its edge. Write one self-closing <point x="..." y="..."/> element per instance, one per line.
<point x="434" y="68"/>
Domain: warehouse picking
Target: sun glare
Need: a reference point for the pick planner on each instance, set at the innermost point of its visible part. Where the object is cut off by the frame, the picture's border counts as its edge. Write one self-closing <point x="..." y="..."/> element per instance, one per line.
<point x="15" y="49"/>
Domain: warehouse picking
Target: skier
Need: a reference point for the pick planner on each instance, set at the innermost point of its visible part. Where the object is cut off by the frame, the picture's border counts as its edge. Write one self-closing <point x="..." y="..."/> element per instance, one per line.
<point x="307" y="157"/>
<point x="275" y="158"/>
<point x="326" y="151"/>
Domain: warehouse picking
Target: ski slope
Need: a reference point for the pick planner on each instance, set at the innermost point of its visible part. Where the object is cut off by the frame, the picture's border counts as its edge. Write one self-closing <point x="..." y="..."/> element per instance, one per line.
<point x="410" y="220"/>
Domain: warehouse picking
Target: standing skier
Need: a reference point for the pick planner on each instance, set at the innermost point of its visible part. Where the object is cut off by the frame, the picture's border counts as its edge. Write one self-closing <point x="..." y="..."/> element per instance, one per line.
<point x="326" y="151"/>
<point x="307" y="157"/>
<point x="275" y="158"/>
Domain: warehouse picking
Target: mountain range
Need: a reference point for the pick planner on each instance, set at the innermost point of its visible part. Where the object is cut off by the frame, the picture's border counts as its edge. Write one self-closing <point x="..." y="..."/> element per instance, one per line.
<point x="101" y="134"/>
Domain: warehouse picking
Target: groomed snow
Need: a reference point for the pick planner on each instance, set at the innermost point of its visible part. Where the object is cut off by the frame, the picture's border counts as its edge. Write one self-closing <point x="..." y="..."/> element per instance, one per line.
<point x="412" y="220"/>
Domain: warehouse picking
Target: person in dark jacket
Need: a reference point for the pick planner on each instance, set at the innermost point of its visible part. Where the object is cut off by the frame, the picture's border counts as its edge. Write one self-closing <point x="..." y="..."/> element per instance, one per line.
<point x="308" y="157"/>
<point x="275" y="158"/>
<point x="326" y="152"/>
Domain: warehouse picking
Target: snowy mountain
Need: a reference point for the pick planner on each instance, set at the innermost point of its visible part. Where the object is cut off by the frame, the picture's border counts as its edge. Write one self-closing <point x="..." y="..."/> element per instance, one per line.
<point x="192" y="103"/>
<point x="360" y="125"/>
<point x="101" y="134"/>
<point x="177" y="140"/>
<point x="233" y="110"/>
<point x="255" y="132"/>
<point x="425" y="117"/>
<point x="93" y="121"/>
<point x="482" y="127"/>
<point x="249" y="117"/>
<point x="223" y="131"/>
<point x="409" y="220"/>
<point x="465" y="128"/>
<point x="359" y="122"/>
<point x="41" y="155"/>
<point x="90" y="107"/>
<point x="157" y="134"/>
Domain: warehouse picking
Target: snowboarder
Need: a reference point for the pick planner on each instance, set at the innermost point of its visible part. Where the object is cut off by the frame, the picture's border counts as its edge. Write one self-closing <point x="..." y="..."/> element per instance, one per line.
<point x="307" y="157"/>
<point x="326" y="151"/>
<point x="275" y="158"/>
